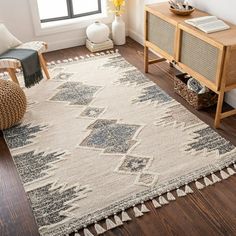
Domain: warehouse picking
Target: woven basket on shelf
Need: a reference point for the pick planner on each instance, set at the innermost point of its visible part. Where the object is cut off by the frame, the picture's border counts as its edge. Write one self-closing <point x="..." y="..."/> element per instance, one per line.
<point x="198" y="101"/>
<point x="12" y="104"/>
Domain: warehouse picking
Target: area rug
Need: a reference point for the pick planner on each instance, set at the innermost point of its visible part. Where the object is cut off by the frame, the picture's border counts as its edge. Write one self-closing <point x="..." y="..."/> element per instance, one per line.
<point x="100" y="138"/>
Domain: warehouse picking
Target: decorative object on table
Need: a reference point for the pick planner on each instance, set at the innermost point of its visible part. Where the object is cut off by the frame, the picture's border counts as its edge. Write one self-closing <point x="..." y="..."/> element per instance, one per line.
<point x="193" y="92"/>
<point x="181" y="8"/>
<point x="96" y="47"/>
<point x="161" y="149"/>
<point x="208" y="24"/>
<point x="12" y="104"/>
<point x="118" y="25"/>
<point x="8" y="41"/>
<point x="98" y="37"/>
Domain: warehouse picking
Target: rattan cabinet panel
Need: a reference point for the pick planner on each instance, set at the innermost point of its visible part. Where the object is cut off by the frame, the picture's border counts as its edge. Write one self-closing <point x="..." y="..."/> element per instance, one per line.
<point x="199" y="56"/>
<point x="161" y="33"/>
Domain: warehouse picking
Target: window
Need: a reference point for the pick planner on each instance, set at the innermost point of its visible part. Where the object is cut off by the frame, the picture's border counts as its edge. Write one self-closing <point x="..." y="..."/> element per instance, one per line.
<point x="54" y="10"/>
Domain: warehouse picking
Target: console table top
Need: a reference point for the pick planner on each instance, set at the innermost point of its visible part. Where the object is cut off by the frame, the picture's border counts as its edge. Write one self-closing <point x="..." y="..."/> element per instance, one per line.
<point x="226" y="37"/>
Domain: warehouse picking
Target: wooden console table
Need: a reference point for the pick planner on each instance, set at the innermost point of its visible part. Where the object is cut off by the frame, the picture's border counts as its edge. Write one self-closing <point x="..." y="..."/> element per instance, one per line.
<point x="209" y="58"/>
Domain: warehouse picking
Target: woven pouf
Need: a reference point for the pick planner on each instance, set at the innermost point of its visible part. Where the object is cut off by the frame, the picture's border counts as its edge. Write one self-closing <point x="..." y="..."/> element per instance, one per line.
<point x="12" y="104"/>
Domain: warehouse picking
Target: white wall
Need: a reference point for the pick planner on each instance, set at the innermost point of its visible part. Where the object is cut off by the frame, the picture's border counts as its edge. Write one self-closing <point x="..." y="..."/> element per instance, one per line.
<point x="16" y="15"/>
<point x="224" y="9"/>
<point x="136" y="18"/>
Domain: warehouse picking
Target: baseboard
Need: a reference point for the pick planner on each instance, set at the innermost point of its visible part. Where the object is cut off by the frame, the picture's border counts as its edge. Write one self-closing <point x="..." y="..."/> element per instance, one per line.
<point x="230" y="98"/>
<point x="66" y="43"/>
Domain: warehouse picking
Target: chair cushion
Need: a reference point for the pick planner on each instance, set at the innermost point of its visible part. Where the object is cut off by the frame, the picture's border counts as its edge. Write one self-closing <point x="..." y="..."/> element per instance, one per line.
<point x="13" y="63"/>
<point x="7" y="40"/>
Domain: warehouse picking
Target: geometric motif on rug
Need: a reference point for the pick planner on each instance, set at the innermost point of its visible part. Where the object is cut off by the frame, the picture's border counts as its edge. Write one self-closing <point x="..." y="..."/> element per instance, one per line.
<point x="92" y="112"/>
<point x="22" y="135"/>
<point x="76" y="93"/>
<point x="132" y="77"/>
<point x="208" y="139"/>
<point x="63" y="76"/>
<point x="137" y="165"/>
<point x="33" y="165"/>
<point x="117" y="62"/>
<point x="178" y="114"/>
<point x="111" y="136"/>
<point x="50" y="204"/>
<point x="153" y="94"/>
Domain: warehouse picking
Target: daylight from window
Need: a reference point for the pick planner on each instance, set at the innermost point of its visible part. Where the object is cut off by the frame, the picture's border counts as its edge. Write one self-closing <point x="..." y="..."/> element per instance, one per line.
<point x="51" y="10"/>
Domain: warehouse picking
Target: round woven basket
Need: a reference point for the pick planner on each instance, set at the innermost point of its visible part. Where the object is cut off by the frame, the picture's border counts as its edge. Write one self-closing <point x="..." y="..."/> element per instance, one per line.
<point x="12" y="104"/>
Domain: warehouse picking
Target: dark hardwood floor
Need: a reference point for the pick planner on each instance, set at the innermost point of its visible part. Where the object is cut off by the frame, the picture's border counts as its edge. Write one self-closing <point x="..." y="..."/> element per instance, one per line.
<point x="211" y="211"/>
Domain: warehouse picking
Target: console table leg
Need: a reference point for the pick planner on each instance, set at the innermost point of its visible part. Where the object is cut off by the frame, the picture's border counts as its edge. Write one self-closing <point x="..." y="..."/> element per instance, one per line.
<point x="219" y="109"/>
<point x="146" y="59"/>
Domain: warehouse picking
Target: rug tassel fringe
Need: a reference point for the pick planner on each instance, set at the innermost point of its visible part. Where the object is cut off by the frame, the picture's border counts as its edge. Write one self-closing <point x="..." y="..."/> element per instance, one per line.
<point x="87" y="232"/>
<point x="137" y="212"/>
<point x="199" y="185"/>
<point x="163" y="201"/>
<point x="207" y="181"/>
<point x="215" y="178"/>
<point x="170" y="196"/>
<point x="155" y="203"/>
<point x="224" y="175"/>
<point x="99" y="229"/>
<point x="124" y="216"/>
<point x="230" y="171"/>
<point x="118" y="220"/>
<point x="180" y="192"/>
<point x="144" y="209"/>
<point x="188" y="189"/>
<point x="110" y="224"/>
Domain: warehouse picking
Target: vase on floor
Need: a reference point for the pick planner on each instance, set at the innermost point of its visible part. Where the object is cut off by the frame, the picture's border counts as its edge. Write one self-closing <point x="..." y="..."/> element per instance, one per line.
<point x="118" y="31"/>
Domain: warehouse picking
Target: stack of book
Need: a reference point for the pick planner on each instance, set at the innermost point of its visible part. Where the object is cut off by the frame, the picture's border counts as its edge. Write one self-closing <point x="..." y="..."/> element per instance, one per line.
<point x="95" y="47"/>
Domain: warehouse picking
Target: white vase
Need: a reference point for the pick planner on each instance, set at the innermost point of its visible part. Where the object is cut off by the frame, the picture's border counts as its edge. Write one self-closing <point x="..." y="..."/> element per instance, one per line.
<point x="118" y="31"/>
<point x="98" y="32"/>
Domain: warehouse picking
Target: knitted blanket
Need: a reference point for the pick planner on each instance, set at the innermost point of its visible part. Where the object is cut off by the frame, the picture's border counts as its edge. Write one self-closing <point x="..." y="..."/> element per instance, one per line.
<point x="30" y="64"/>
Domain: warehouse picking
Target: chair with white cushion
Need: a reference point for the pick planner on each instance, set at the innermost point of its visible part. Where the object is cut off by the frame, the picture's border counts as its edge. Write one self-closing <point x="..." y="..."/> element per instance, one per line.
<point x="9" y="41"/>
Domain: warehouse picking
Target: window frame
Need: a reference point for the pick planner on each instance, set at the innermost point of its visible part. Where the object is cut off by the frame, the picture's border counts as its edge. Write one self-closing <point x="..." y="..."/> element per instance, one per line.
<point x="71" y="14"/>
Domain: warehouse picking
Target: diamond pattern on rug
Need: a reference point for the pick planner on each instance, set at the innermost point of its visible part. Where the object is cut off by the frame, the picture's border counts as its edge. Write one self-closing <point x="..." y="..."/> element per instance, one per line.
<point x="49" y="203"/>
<point x="117" y="62"/>
<point x="208" y="139"/>
<point x="153" y="94"/>
<point x="22" y="135"/>
<point x="133" y="164"/>
<point x="92" y="112"/>
<point x="63" y="76"/>
<point x="32" y="165"/>
<point x="111" y="136"/>
<point x="180" y="115"/>
<point x="76" y="93"/>
<point x="146" y="178"/>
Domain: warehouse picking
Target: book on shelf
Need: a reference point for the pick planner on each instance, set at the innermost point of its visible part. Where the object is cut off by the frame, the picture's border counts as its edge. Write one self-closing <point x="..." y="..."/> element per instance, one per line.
<point x="208" y="24"/>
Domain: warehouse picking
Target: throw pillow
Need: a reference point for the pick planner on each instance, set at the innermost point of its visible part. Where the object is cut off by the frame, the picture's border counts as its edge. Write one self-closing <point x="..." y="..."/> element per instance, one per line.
<point x="7" y="40"/>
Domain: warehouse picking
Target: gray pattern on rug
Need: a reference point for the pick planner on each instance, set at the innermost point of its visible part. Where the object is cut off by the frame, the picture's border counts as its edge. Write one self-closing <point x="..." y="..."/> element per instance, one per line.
<point x="111" y="136"/>
<point x="75" y="93"/>
<point x="48" y="203"/>
<point x="208" y="139"/>
<point x="22" y="135"/>
<point x="153" y="94"/>
<point x="32" y="165"/>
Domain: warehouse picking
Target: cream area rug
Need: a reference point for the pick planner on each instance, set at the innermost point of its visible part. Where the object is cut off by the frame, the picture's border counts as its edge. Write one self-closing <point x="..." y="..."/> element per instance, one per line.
<point x="100" y="137"/>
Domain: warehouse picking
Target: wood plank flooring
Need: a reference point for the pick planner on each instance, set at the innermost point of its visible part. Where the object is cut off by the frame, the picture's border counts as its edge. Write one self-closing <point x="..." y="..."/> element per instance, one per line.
<point x="211" y="211"/>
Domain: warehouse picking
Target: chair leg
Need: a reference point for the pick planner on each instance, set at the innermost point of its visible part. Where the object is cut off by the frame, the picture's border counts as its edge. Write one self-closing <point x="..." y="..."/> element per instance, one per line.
<point x="12" y="74"/>
<point x="44" y="66"/>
